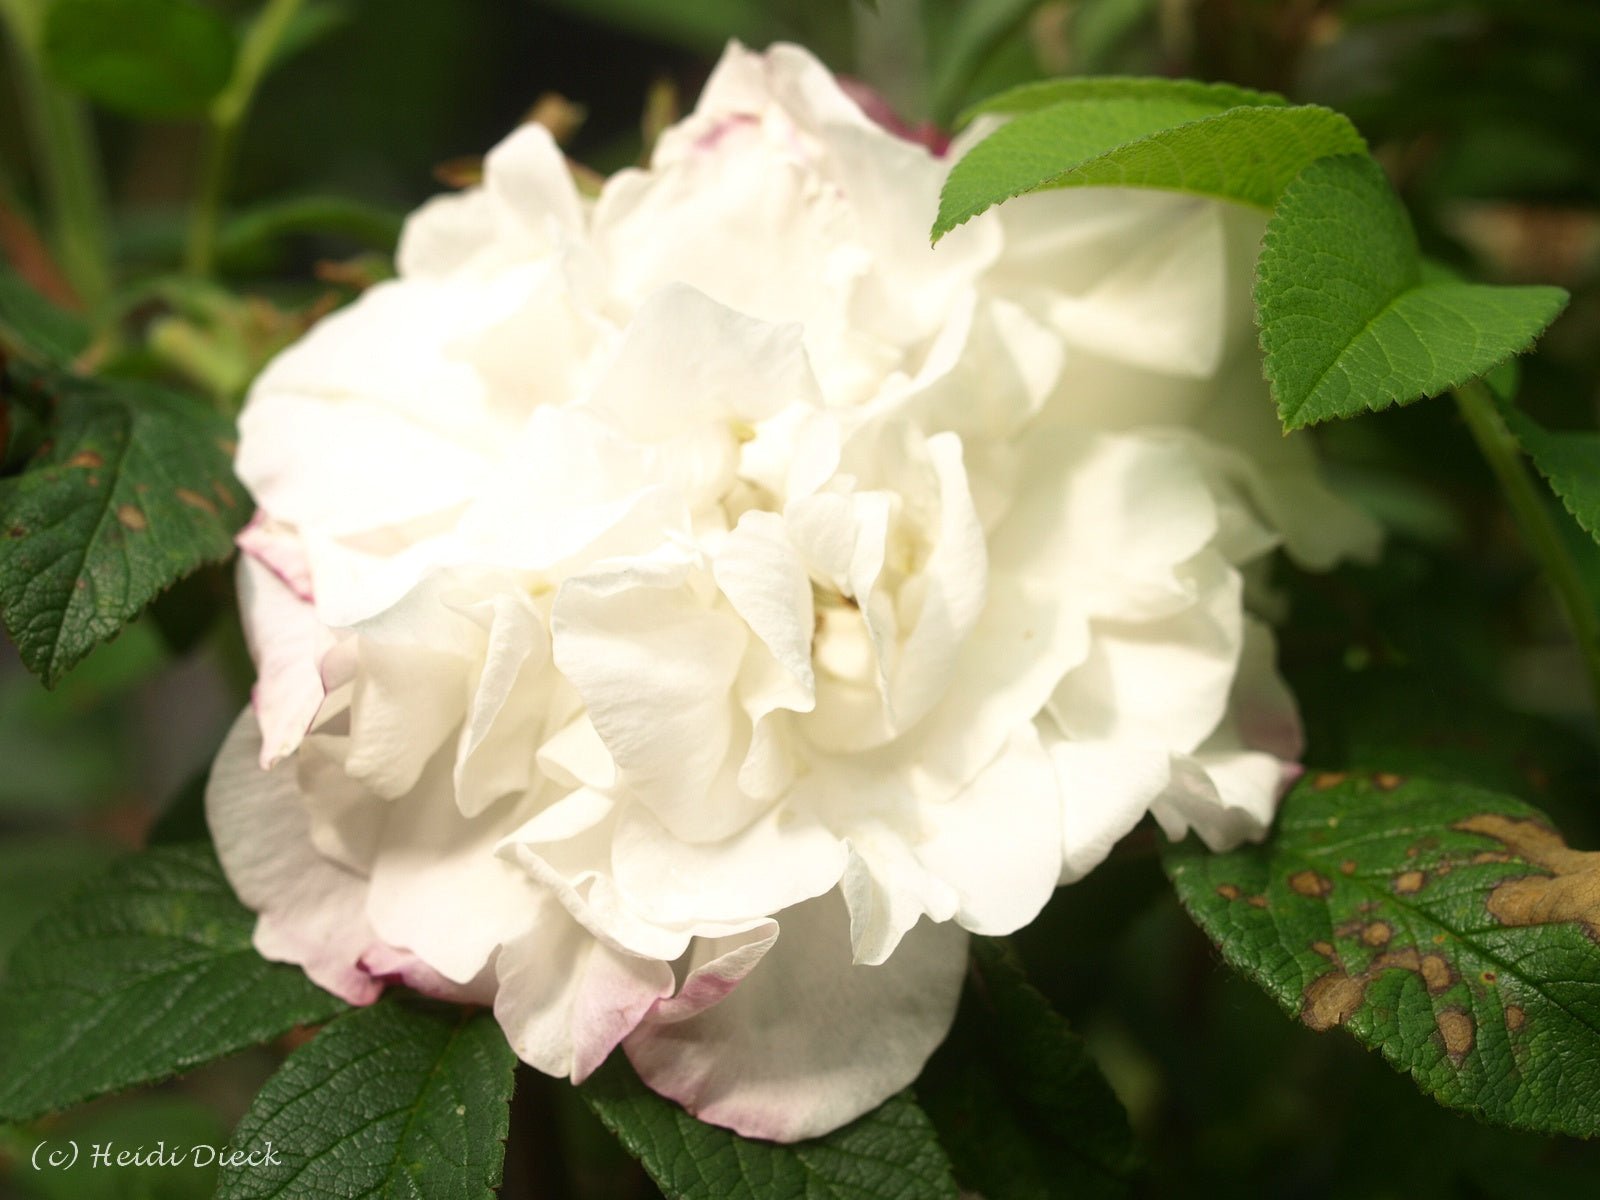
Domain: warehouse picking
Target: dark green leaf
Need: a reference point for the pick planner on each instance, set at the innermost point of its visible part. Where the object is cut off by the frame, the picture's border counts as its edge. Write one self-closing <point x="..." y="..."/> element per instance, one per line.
<point x="889" y="1154"/>
<point x="387" y="1101"/>
<point x="1182" y="137"/>
<point x="1448" y="927"/>
<point x="31" y="324"/>
<point x="1350" y="322"/>
<point x="1018" y="1102"/>
<point x="37" y="872"/>
<point x="132" y="492"/>
<point x="1569" y="461"/>
<point x="148" y="58"/>
<point x="145" y="973"/>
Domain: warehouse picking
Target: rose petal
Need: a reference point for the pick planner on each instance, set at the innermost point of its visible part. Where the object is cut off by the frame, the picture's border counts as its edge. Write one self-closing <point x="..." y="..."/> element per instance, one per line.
<point x="287" y="643"/>
<point x="807" y="1041"/>
<point x="566" y="1000"/>
<point x="311" y="911"/>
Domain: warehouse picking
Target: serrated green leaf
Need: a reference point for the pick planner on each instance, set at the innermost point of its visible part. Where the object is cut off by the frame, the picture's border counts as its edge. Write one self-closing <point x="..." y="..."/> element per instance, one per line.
<point x="394" y="1101"/>
<point x="39" y="871"/>
<point x="31" y="324"/>
<point x="889" y="1154"/>
<point x="1021" y="1107"/>
<point x="1570" y="463"/>
<point x="132" y="492"/>
<point x="1181" y="140"/>
<point x="147" y="58"/>
<point x="1447" y="926"/>
<point x="143" y="974"/>
<point x="1031" y="97"/>
<point x="1349" y="322"/>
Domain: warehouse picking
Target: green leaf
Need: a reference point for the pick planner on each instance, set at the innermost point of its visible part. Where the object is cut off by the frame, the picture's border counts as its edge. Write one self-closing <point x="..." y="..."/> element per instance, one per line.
<point x="1570" y="462"/>
<point x="37" y="872"/>
<point x="1447" y="926"/>
<point x="146" y="58"/>
<point x="1047" y="93"/>
<point x="31" y="324"/>
<point x="1180" y="138"/>
<point x="389" y="1101"/>
<point x="1018" y="1102"/>
<point x="889" y="1154"/>
<point x="1349" y="320"/>
<point x="132" y="492"/>
<point x="147" y="972"/>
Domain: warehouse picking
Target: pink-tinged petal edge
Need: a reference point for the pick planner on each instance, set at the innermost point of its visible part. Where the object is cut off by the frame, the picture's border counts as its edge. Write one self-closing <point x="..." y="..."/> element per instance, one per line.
<point x="388" y="965"/>
<point x="279" y="550"/>
<point x="311" y="911"/>
<point x="809" y="1041"/>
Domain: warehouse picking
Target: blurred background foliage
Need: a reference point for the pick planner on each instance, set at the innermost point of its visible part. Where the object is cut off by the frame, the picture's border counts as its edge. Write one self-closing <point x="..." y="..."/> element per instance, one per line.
<point x="1449" y="656"/>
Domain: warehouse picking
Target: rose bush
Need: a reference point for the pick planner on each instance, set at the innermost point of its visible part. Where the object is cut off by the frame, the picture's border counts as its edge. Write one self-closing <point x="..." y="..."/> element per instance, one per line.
<point x="683" y="614"/>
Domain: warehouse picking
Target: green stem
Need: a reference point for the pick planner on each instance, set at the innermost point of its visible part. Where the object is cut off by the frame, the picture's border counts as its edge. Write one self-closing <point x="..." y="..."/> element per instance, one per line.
<point x="228" y="114"/>
<point x="1527" y="500"/>
<point x="69" y="172"/>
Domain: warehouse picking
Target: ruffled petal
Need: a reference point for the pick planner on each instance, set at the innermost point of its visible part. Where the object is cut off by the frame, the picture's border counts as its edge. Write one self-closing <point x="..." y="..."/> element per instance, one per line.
<point x="527" y="202"/>
<point x="1106" y="788"/>
<point x="287" y="643"/>
<point x="806" y="1041"/>
<point x="655" y="668"/>
<point x="311" y="911"/>
<point x="437" y="886"/>
<point x="566" y="1000"/>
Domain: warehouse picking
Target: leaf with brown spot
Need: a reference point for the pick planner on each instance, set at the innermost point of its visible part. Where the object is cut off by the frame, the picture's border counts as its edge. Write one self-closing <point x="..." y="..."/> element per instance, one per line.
<point x="1461" y="943"/>
<point x="111" y="512"/>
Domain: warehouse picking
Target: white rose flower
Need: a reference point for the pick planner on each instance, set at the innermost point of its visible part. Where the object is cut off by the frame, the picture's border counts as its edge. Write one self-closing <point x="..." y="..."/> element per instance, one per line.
<point x="681" y="616"/>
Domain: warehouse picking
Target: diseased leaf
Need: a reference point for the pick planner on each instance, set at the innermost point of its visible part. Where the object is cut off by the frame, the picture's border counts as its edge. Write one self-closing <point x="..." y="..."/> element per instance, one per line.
<point x="1019" y="1104"/>
<point x="1349" y="320"/>
<point x="889" y="1154"/>
<point x="1447" y="926"/>
<point x="147" y="58"/>
<point x="132" y="491"/>
<point x="146" y="973"/>
<point x="395" y="1101"/>
<point x="1179" y="140"/>
<point x="1570" y="462"/>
